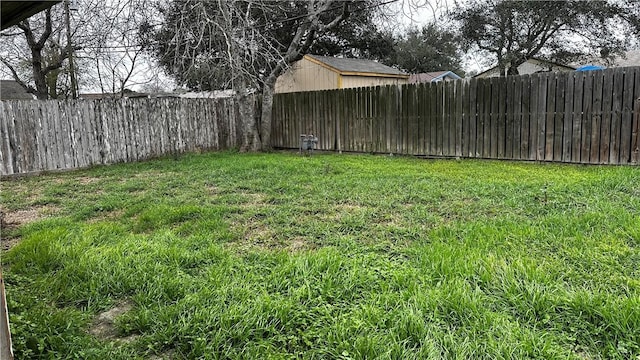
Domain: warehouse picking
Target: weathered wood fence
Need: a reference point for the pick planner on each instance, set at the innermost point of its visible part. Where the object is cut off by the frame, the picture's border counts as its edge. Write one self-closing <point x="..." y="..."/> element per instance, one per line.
<point x="49" y="135"/>
<point x="578" y="117"/>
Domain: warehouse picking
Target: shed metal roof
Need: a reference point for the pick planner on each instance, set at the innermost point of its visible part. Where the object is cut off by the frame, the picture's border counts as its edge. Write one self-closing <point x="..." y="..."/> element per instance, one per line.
<point x="431" y="76"/>
<point x="630" y="58"/>
<point x="347" y="66"/>
<point x="11" y="90"/>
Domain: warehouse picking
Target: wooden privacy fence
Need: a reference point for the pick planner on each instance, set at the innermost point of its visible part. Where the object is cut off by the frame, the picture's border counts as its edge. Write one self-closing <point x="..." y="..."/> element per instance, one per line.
<point x="49" y="135"/>
<point x="578" y="117"/>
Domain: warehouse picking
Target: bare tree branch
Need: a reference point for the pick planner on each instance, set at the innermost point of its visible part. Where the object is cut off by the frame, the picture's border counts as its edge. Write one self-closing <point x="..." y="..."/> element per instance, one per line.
<point x="16" y="77"/>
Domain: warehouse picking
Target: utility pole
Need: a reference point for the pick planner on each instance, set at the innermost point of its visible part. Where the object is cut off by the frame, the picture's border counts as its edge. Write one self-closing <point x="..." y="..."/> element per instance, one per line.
<point x="72" y="71"/>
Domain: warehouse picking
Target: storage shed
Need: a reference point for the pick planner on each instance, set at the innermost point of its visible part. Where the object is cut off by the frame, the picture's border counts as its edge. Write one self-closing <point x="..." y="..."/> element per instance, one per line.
<point x="315" y="72"/>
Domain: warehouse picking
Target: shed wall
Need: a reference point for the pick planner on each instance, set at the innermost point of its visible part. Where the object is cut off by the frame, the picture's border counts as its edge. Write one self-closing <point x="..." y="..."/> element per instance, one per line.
<point x="305" y="75"/>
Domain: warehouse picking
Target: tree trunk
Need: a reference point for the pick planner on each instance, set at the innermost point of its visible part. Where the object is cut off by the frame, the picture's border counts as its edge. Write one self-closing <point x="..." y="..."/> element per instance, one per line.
<point x="515" y="64"/>
<point x="52" y="82"/>
<point x="251" y="138"/>
<point x="39" y="77"/>
<point x="267" y="114"/>
<point x="502" y="68"/>
<point x="37" y="64"/>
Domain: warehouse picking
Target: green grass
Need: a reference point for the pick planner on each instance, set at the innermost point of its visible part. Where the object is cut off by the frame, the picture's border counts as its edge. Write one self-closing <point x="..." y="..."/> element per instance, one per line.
<point x="248" y="256"/>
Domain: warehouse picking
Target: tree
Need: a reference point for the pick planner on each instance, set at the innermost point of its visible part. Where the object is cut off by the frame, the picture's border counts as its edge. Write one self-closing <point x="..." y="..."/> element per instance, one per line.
<point x="44" y="55"/>
<point x="430" y="48"/>
<point x="104" y="35"/>
<point x="246" y="44"/>
<point x="114" y="58"/>
<point x="515" y="31"/>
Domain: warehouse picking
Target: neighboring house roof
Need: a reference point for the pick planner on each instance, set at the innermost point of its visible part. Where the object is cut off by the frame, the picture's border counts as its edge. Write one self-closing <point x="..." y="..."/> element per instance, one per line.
<point x="127" y="93"/>
<point x="15" y="11"/>
<point x="360" y="67"/>
<point x="11" y="90"/>
<point x="630" y="58"/>
<point x="537" y="61"/>
<point x="96" y="96"/>
<point x="432" y="77"/>
<point x="215" y="94"/>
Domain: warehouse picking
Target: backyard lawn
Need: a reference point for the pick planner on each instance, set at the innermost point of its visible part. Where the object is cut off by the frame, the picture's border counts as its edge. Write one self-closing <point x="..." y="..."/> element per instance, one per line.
<point x="278" y="256"/>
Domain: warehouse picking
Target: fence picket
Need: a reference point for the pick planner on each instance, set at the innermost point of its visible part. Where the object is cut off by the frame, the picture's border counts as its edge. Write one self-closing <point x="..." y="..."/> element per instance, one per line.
<point x="635" y="127"/>
<point x="567" y="119"/>
<point x="607" y="106"/>
<point x="472" y="118"/>
<point x="585" y="119"/>
<point x="576" y="135"/>
<point x="524" y="97"/>
<point x="596" y="119"/>
<point x="481" y="117"/>
<point x="616" y="115"/>
<point x="550" y="111"/>
<point x="559" y="116"/>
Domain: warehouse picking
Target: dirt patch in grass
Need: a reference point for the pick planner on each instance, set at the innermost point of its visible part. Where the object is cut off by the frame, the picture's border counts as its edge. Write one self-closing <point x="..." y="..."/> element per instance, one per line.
<point x="26" y="191"/>
<point x="151" y="174"/>
<point x="257" y="235"/>
<point x="8" y="243"/>
<point x="20" y="217"/>
<point x="251" y="200"/>
<point x="107" y="216"/>
<point x="338" y="212"/>
<point x="349" y="207"/>
<point x="212" y="190"/>
<point x="391" y="220"/>
<point x="254" y="231"/>
<point x="86" y="180"/>
<point x="299" y="244"/>
<point x="104" y="326"/>
<point x="253" y="228"/>
<point x="11" y="220"/>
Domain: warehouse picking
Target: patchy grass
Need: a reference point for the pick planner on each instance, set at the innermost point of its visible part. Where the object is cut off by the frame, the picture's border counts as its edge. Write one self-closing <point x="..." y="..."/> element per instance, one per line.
<point x="343" y="257"/>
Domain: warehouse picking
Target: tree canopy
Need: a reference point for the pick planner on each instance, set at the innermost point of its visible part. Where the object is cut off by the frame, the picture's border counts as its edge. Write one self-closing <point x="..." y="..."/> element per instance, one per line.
<point x="192" y="42"/>
<point x="428" y="49"/>
<point x="562" y="30"/>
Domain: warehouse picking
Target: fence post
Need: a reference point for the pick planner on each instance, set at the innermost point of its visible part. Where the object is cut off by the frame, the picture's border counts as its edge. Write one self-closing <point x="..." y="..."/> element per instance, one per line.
<point x="635" y="150"/>
<point x="6" y="350"/>
<point x="339" y="95"/>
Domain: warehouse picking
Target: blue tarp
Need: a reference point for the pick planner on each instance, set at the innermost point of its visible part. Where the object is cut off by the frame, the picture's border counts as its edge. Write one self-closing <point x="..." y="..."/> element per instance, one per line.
<point x="590" y="68"/>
